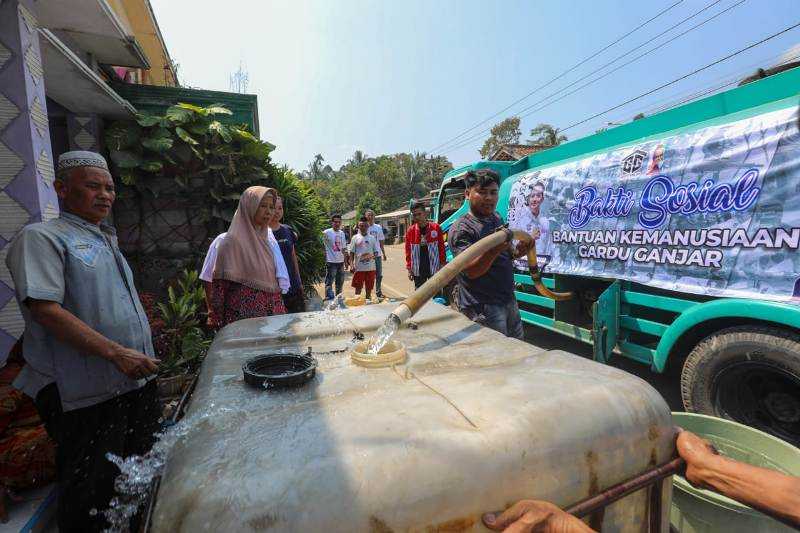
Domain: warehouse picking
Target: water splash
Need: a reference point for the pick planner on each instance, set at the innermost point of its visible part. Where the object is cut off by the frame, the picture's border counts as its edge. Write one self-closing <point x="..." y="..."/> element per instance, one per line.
<point x="137" y="472"/>
<point x="337" y="302"/>
<point x="384" y="333"/>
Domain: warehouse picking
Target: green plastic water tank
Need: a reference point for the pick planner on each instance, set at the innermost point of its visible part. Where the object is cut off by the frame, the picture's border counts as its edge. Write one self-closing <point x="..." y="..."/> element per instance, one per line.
<point x="700" y="511"/>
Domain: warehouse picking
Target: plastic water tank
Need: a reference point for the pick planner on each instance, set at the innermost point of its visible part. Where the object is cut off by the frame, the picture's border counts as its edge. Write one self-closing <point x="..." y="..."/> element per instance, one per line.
<point x="378" y="450"/>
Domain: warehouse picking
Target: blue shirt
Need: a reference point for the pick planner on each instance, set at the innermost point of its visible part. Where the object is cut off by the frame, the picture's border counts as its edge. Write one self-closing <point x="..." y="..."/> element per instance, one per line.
<point x="496" y="286"/>
<point x="79" y="265"/>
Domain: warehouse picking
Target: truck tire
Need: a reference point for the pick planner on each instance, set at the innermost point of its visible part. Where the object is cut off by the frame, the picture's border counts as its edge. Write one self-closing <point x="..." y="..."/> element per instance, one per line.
<point x="748" y="374"/>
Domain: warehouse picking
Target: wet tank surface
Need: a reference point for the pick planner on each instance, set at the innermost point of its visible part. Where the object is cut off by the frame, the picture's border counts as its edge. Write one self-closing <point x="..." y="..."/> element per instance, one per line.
<point x="473" y="422"/>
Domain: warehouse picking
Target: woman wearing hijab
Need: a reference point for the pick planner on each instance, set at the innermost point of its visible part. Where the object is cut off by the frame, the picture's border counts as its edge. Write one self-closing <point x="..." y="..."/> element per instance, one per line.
<point x="245" y="282"/>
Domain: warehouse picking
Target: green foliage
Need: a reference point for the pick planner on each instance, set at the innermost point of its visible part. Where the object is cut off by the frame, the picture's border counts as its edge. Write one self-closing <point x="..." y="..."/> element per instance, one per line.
<point x="383" y="183"/>
<point x="547" y="135"/>
<point x="191" y="145"/>
<point x="505" y="132"/>
<point x="182" y="343"/>
<point x="305" y="214"/>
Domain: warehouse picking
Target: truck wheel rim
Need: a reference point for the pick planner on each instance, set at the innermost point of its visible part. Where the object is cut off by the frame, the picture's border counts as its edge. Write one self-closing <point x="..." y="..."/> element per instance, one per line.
<point x="761" y="396"/>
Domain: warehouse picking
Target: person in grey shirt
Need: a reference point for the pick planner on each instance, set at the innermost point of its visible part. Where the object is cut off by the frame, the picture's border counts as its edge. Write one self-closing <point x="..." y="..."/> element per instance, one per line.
<point x="87" y="343"/>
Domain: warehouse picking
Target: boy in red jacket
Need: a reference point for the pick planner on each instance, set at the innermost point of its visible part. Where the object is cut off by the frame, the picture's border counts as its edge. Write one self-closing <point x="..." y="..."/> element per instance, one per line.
<point x="424" y="246"/>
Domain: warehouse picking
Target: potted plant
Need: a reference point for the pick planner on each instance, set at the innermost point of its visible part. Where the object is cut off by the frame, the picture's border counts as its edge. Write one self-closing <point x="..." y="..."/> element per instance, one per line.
<point x="180" y="344"/>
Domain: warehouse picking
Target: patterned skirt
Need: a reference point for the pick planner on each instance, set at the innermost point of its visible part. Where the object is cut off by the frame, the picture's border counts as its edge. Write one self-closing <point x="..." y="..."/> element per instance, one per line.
<point x="233" y="301"/>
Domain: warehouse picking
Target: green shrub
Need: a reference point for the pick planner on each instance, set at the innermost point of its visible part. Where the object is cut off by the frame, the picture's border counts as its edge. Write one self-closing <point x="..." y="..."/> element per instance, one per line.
<point x="188" y="144"/>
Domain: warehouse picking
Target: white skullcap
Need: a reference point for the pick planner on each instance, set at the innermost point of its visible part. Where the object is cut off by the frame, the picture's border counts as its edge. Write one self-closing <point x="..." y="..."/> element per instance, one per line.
<point x="80" y="158"/>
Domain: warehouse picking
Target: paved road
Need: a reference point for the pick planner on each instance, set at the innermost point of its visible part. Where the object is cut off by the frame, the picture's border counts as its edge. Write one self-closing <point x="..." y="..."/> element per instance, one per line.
<point x="396" y="285"/>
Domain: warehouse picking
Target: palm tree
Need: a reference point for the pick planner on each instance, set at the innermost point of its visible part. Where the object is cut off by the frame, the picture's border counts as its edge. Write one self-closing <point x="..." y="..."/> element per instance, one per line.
<point x="358" y="158"/>
<point x="546" y="135"/>
<point x="317" y="170"/>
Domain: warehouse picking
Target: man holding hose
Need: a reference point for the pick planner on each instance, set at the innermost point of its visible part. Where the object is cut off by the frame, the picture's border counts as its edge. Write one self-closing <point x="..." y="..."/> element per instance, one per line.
<point x="485" y="288"/>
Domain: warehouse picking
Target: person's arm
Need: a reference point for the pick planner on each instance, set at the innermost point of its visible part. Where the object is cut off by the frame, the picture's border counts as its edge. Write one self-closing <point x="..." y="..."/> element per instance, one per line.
<point x="207" y="273"/>
<point x="462" y="238"/>
<point x="440" y="241"/>
<point x="71" y="330"/>
<point x="481" y="264"/>
<point x="297" y="269"/>
<point x="769" y="491"/>
<point x="529" y="516"/>
<point x="350" y="256"/>
<point x="281" y="272"/>
<point x="347" y="246"/>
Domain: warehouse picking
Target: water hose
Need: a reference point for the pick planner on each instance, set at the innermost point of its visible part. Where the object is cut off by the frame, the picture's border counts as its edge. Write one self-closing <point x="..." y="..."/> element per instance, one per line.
<point x="536" y="273"/>
<point x="413" y="303"/>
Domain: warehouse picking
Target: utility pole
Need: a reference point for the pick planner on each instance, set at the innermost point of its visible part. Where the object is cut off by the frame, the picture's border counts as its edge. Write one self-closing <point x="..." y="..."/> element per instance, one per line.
<point x="239" y="80"/>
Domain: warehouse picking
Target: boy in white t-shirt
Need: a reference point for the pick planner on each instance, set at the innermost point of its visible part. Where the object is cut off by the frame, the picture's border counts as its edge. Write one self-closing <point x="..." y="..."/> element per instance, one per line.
<point x="363" y="251"/>
<point x="376" y="230"/>
<point x="336" y="261"/>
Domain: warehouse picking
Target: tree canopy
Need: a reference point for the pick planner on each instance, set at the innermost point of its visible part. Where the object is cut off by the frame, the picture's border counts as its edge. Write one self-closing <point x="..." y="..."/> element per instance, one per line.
<point x="546" y="135"/>
<point x="383" y="183"/>
<point x="505" y="132"/>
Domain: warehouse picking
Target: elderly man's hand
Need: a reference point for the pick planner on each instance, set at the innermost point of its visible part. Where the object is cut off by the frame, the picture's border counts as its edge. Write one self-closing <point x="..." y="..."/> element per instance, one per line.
<point x="699" y="455"/>
<point x="531" y="516"/>
<point x="134" y="364"/>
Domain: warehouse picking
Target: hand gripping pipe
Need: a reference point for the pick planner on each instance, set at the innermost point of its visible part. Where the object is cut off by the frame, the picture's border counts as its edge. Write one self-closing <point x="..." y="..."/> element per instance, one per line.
<point x="411" y="305"/>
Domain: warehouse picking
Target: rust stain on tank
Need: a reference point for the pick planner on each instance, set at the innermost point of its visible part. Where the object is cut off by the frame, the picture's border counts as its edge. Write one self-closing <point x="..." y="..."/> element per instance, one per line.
<point x="376" y="525"/>
<point x="653" y="458"/>
<point x="453" y="526"/>
<point x="653" y="433"/>
<point x="591" y="464"/>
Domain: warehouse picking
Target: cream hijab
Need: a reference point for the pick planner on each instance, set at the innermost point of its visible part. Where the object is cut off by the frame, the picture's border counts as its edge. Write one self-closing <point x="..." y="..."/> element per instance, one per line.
<point x="244" y="255"/>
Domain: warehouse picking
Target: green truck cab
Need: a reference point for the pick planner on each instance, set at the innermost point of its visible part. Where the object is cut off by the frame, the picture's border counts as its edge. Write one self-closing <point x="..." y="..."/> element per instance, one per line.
<point x="730" y="323"/>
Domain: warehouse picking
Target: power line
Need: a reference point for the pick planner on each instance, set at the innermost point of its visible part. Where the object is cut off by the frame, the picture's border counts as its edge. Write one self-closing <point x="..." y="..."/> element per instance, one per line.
<point x="676" y="80"/>
<point x="657" y="47"/>
<point x="527" y="111"/>
<point x="683" y="97"/>
<point x="557" y="77"/>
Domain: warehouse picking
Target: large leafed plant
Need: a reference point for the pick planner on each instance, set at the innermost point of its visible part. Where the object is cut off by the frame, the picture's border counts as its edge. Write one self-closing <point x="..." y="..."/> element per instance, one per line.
<point x="192" y="146"/>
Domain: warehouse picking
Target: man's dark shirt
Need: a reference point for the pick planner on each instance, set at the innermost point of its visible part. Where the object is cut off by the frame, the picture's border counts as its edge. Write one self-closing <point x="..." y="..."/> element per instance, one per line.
<point x="286" y="241"/>
<point x="496" y="286"/>
<point x="424" y="259"/>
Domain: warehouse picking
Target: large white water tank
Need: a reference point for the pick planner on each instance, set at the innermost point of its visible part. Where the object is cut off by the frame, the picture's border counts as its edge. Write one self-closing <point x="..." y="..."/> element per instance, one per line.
<point x="377" y="450"/>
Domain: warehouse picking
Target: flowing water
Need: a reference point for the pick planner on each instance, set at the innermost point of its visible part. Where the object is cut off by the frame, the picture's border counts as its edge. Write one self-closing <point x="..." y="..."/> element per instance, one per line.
<point x="384" y="333"/>
<point x="137" y="472"/>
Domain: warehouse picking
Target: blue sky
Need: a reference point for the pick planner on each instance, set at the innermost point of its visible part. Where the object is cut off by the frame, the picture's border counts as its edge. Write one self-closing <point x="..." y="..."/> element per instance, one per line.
<point x="385" y="77"/>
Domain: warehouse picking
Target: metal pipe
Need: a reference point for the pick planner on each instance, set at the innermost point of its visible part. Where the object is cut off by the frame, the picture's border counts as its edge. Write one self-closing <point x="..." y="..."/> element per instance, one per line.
<point x="619" y="491"/>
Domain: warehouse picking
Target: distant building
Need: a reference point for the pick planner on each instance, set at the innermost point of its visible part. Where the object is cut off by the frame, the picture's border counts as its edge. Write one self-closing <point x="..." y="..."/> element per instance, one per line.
<point x="515" y="152"/>
<point x="395" y="223"/>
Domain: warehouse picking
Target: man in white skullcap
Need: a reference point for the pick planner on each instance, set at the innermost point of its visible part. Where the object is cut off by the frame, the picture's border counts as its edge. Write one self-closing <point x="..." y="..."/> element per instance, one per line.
<point x="87" y="343"/>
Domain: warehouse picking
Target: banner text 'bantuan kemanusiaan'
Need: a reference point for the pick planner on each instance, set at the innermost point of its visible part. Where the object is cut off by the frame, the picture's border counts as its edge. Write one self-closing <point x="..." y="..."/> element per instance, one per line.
<point x="713" y="211"/>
